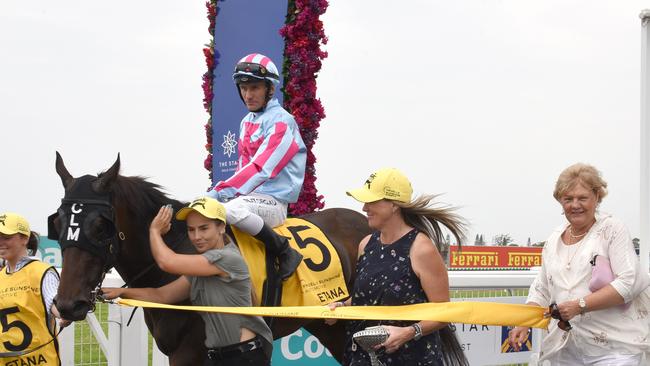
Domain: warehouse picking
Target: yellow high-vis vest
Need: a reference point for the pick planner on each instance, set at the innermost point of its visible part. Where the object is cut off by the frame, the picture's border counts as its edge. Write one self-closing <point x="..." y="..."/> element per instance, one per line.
<point x="23" y="318"/>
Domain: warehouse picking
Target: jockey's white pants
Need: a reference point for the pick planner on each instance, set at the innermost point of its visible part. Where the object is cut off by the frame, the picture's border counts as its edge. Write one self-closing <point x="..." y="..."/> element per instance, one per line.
<point x="249" y="213"/>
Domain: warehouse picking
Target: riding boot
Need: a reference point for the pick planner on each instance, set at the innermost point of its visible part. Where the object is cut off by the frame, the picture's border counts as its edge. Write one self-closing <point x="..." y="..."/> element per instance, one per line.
<point x="288" y="258"/>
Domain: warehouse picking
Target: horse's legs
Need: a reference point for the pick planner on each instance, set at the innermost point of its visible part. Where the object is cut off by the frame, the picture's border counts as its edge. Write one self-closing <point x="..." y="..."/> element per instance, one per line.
<point x="331" y="336"/>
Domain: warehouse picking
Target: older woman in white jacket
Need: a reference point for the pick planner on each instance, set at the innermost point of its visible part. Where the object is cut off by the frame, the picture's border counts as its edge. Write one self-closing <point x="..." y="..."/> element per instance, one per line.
<point x="606" y="326"/>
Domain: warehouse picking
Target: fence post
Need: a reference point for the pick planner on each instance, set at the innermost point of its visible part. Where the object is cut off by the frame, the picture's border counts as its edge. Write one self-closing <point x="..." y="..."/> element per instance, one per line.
<point x="644" y="246"/>
<point x="66" y="345"/>
<point x="114" y="334"/>
<point x="134" y="338"/>
<point x="158" y="358"/>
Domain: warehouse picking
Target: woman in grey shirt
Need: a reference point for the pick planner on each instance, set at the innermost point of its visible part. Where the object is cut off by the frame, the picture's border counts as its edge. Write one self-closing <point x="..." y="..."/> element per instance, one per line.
<point x="218" y="276"/>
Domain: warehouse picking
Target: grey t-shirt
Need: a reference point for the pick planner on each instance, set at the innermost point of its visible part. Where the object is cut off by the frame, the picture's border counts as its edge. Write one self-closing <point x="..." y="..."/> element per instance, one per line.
<point x="233" y="290"/>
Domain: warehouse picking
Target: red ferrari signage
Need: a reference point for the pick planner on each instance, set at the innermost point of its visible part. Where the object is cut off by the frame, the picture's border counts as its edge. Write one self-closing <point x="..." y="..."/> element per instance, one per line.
<point x="482" y="257"/>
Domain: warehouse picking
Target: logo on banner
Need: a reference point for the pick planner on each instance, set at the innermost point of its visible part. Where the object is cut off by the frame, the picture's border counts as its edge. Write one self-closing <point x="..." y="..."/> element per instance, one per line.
<point x="229" y="143"/>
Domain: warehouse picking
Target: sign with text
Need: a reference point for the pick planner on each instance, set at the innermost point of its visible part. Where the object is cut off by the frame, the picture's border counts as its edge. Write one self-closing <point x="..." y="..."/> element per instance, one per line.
<point x="242" y="27"/>
<point x="488" y="344"/>
<point x="49" y="252"/>
<point x="484" y="257"/>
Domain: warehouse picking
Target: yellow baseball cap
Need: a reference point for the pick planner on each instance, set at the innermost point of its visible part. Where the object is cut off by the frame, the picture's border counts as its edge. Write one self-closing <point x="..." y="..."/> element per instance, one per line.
<point x="206" y="206"/>
<point x="11" y="223"/>
<point x="386" y="183"/>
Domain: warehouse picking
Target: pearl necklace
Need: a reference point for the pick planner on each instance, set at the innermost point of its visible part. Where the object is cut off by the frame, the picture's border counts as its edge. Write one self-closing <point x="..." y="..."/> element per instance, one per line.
<point x="576" y="236"/>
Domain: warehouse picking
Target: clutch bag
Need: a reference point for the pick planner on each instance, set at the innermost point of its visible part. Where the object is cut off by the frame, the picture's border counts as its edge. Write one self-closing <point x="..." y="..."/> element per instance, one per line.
<point x="601" y="273"/>
<point x="368" y="339"/>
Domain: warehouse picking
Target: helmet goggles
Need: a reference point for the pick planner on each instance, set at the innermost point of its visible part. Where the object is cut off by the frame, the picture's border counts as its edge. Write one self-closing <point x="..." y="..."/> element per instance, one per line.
<point x="244" y="71"/>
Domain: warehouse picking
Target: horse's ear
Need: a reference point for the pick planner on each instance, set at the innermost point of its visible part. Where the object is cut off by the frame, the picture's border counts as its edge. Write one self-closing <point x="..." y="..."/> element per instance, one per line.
<point x="107" y="178"/>
<point x="62" y="171"/>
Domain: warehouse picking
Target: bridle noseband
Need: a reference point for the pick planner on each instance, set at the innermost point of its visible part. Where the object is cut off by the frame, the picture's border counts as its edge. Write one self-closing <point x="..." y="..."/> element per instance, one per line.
<point x="77" y="217"/>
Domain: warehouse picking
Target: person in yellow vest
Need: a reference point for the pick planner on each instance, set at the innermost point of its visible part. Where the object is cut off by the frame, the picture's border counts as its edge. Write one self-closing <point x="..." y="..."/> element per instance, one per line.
<point x="27" y="290"/>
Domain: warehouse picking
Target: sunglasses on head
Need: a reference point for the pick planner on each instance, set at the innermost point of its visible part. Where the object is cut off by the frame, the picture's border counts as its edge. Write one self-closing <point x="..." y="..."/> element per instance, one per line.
<point x="555" y="314"/>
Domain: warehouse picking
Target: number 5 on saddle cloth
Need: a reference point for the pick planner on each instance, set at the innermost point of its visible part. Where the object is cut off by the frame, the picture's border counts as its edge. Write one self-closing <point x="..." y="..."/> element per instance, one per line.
<point x="318" y="280"/>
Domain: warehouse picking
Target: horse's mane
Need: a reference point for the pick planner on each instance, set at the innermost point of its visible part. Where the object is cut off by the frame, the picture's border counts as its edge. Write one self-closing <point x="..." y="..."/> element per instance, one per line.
<point x="143" y="197"/>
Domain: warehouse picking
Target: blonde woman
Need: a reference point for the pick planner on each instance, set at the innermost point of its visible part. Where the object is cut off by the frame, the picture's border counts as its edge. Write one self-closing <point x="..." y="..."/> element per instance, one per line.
<point x="400" y="264"/>
<point x="591" y="326"/>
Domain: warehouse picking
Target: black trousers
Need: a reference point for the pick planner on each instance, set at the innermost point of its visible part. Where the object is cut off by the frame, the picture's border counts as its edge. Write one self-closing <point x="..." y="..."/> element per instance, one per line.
<point x="229" y="356"/>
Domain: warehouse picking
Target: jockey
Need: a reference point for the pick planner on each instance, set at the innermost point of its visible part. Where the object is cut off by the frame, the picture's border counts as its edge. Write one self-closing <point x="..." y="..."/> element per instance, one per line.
<point x="272" y="158"/>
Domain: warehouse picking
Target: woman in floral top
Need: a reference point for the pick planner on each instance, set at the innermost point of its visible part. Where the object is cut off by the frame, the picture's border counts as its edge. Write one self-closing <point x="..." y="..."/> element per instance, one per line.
<point x="606" y="326"/>
<point x="400" y="264"/>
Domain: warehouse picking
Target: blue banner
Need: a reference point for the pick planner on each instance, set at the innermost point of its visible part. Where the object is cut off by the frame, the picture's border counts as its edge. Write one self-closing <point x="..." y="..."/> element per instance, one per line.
<point x="242" y="27"/>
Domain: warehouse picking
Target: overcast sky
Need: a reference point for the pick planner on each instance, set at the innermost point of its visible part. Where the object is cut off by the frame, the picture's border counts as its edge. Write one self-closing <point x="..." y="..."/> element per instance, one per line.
<point x="485" y="101"/>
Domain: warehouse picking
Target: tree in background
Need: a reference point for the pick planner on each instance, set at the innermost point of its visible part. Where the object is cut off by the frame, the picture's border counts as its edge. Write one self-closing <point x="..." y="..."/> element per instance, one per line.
<point x="502" y="240"/>
<point x="445" y="249"/>
<point x="479" y="240"/>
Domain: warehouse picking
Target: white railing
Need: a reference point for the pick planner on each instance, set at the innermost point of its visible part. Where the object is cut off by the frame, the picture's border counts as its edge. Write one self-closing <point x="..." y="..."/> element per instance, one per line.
<point x="122" y="345"/>
<point x="127" y="346"/>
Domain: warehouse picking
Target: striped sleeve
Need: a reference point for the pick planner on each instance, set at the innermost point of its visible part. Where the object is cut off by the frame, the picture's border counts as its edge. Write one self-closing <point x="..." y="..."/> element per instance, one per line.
<point x="50" y="289"/>
<point x="274" y="153"/>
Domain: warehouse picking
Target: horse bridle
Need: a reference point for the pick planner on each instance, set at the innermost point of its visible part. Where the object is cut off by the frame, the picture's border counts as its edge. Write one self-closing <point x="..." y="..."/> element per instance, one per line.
<point x="107" y="249"/>
<point x="75" y="233"/>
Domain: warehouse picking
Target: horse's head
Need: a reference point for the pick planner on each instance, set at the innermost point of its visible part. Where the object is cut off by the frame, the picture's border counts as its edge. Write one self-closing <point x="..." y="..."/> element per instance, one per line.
<point x="85" y="226"/>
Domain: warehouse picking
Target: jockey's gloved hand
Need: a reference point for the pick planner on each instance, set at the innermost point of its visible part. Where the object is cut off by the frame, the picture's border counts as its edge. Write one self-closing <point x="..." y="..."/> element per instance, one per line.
<point x="217" y="195"/>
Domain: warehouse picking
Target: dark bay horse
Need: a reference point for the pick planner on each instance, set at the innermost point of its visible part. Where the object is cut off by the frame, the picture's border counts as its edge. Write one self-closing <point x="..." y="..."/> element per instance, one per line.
<point x="109" y="228"/>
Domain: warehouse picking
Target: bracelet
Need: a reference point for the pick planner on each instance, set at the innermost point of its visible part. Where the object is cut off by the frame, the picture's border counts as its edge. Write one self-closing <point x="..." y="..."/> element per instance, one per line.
<point x="418" y="331"/>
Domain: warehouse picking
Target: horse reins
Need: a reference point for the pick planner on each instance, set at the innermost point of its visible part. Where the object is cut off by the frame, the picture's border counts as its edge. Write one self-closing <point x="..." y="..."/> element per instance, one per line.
<point x="96" y="294"/>
<point x="26" y="352"/>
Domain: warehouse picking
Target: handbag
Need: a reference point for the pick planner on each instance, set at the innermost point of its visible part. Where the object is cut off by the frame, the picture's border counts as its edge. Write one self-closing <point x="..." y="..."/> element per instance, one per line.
<point x="602" y="275"/>
<point x="368" y="339"/>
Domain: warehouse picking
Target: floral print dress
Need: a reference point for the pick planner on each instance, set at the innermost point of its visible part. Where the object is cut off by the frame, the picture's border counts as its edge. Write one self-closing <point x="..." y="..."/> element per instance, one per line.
<point x="385" y="277"/>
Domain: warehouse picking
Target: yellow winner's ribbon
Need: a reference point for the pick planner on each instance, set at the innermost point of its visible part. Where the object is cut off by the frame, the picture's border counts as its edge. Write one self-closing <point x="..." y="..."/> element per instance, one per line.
<point x="468" y="312"/>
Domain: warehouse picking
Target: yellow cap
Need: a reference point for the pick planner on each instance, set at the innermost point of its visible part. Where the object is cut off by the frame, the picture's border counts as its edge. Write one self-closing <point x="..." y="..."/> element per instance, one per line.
<point x="11" y="223"/>
<point x="206" y="206"/>
<point x="386" y="183"/>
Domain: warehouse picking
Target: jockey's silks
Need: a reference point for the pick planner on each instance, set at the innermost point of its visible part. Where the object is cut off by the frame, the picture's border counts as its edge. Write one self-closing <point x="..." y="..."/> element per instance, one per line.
<point x="272" y="157"/>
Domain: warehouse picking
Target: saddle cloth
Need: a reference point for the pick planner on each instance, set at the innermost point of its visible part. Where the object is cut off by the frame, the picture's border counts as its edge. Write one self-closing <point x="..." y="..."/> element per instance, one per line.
<point x="318" y="280"/>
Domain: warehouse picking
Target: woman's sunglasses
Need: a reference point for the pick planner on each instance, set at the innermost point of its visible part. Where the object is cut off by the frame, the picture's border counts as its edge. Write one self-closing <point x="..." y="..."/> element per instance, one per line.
<point x="555" y="314"/>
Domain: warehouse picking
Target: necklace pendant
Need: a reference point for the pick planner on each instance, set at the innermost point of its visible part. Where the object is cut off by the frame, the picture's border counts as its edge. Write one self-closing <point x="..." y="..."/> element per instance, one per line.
<point x="568" y="266"/>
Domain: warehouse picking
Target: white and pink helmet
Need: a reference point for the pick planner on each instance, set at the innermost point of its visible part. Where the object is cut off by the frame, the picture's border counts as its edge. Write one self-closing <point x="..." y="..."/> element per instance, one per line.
<point x="256" y="66"/>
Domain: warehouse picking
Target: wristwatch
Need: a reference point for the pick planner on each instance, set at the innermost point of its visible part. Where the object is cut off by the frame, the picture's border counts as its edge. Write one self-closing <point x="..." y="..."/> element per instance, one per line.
<point x="418" y="331"/>
<point x="583" y="305"/>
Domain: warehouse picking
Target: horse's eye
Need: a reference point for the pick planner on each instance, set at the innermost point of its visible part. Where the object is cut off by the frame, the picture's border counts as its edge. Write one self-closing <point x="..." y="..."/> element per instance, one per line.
<point x="101" y="229"/>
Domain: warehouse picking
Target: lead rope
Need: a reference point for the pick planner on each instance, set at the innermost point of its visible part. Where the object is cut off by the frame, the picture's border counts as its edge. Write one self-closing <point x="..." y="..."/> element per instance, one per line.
<point x="26" y="352"/>
<point x="99" y="296"/>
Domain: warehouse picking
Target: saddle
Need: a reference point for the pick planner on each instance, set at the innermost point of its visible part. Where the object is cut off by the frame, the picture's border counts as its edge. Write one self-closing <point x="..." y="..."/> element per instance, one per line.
<point x="318" y="280"/>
